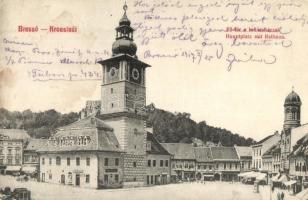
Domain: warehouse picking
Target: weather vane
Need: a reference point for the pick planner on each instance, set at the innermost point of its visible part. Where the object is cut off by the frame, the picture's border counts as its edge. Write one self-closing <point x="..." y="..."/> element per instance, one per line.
<point x="125" y="7"/>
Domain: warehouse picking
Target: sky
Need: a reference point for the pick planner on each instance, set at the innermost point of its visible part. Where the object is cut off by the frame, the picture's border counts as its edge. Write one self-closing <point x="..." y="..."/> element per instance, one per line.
<point x="247" y="100"/>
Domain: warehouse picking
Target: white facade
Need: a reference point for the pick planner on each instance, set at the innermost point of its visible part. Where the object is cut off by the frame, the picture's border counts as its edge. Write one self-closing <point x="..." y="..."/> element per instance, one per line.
<point x="70" y="169"/>
<point x="260" y="148"/>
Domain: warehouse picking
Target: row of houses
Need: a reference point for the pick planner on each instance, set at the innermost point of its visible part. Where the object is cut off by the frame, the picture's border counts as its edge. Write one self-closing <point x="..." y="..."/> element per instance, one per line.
<point x="86" y="153"/>
<point x="18" y="151"/>
<point x="283" y="157"/>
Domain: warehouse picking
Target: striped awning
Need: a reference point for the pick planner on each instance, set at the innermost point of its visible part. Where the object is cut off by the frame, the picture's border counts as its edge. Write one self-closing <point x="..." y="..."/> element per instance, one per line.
<point x="29" y="169"/>
<point x="13" y="168"/>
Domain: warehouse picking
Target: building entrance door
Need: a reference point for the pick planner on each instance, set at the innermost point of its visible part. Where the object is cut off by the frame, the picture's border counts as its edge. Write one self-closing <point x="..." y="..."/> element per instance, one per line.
<point x="77" y="181"/>
<point x="63" y="179"/>
<point x="43" y="177"/>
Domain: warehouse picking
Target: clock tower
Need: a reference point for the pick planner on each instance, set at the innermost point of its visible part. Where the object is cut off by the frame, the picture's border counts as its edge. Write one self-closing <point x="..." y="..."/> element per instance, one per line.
<point x="124" y="100"/>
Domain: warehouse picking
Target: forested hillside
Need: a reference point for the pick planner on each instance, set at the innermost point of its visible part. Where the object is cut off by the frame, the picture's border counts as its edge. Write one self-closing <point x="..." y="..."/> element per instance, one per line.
<point x="178" y="127"/>
<point x="168" y="127"/>
<point x="38" y="125"/>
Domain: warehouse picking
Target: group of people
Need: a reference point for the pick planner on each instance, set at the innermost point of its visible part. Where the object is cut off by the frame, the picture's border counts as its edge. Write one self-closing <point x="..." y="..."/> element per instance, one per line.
<point x="280" y="196"/>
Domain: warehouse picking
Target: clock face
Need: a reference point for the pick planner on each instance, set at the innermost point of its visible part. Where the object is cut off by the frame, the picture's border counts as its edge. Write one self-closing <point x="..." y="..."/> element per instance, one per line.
<point x="135" y="74"/>
<point x="112" y="72"/>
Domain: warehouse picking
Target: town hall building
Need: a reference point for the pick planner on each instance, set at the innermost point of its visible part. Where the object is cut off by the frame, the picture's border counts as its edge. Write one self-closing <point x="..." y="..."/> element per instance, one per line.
<point x="114" y="136"/>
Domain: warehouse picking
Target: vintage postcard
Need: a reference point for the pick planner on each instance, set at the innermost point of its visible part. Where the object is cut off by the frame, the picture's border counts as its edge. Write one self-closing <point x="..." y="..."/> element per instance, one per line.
<point x="154" y="99"/>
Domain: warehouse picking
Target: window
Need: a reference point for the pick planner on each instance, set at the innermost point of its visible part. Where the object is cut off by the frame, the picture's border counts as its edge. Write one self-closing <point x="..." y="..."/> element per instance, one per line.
<point x="1" y="151"/>
<point x="77" y="161"/>
<point x="58" y="160"/>
<point x="50" y="176"/>
<point x="9" y="161"/>
<point x="68" y="161"/>
<point x="116" y="178"/>
<point x="9" y="151"/>
<point x="134" y="164"/>
<point x="50" y="161"/>
<point x="106" y="161"/>
<point x="148" y="179"/>
<point x="230" y="166"/>
<point x="87" y="178"/>
<point x="148" y="146"/>
<point x="210" y="167"/>
<point x="17" y="149"/>
<point x="116" y="162"/>
<point x="154" y="163"/>
<point x="151" y="179"/>
<point x="17" y="161"/>
<point x="166" y="163"/>
<point x="111" y="90"/>
<point x="111" y="105"/>
<point x="149" y="163"/>
<point x="235" y="166"/>
<point x="161" y="163"/>
<point x="1" y="161"/>
<point x="243" y="165"/>
<point x="43" y="161"/>
<point x="224" y="165"/>
<point x="88" y="161"/>
<point x="260" y="164"/>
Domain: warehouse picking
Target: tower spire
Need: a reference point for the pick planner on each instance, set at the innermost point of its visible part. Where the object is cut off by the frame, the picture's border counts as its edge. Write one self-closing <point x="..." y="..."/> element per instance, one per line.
<point x="124" y="37"/>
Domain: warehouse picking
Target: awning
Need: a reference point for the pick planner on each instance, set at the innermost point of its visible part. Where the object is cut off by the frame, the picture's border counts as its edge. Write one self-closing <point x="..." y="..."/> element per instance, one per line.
<point x="288" y="183"/>
<point x="29" y="169"/>
<point x="261" y="176"/>
<point x="244" y="174"/>
<point x="13" y="168"/>
<point x="283" y="178"/>
<point x="275" y="178"/>
<point x="257" y="175"/>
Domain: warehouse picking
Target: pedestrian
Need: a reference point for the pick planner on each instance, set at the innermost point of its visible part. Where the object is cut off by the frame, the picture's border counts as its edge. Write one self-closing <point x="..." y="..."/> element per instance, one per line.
<point x="278" y="196"/>
<point x="282" y="196"/>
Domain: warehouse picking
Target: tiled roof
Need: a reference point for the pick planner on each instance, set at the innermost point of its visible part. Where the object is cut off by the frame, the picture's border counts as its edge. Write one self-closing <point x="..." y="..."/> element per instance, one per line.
<point x="244" y="151"/>
<point x="88" y="134"/>
<point x="203" y="154"/>
<point x="35" y="144"/>
<point x="224" y="153"/>
<point x="19" y="134"/>
<point x="180" y="150"/>
<point x="156" y="147"/>
<point x="273" y="149"/>
<point x="264" y="139"/>
<point x="88" y="122"/>
<point x="301" y="147"/>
